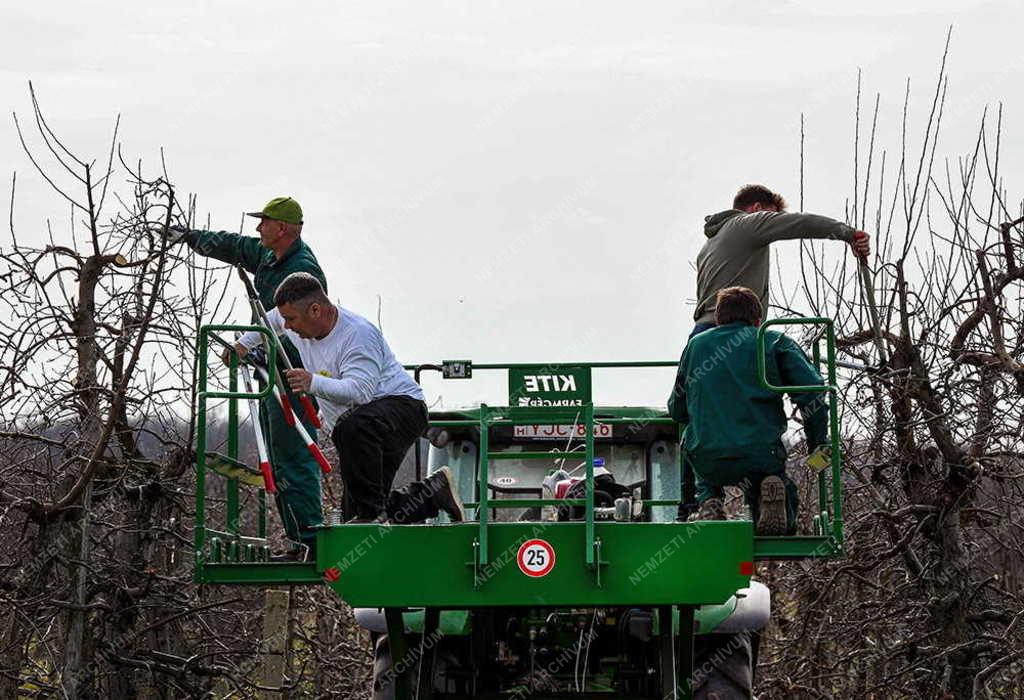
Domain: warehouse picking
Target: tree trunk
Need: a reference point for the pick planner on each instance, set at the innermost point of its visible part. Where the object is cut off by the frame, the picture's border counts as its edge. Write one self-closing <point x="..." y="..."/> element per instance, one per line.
<point x="72" y="676"/>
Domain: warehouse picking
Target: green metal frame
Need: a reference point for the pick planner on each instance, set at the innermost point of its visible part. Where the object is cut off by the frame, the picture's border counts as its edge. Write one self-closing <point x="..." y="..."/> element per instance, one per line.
<point x="229" y="544"/>
<point x="672" y="567"/>
<point x="828" y="522"/>
<point x="227" y="556"/>
<point x="435" y="566"/>
<point x="827" y="540"/>
<point x="490" y="417"/>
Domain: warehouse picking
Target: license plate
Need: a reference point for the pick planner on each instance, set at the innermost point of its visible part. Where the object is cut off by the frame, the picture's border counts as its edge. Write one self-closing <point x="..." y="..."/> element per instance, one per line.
<point x="560" y="432"/>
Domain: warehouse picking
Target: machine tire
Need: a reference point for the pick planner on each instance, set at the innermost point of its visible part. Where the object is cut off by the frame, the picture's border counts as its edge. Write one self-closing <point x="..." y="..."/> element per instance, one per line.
<point x="723" y="667"/>
<point x="381" y="665"/>
<point x="382" y="688"/>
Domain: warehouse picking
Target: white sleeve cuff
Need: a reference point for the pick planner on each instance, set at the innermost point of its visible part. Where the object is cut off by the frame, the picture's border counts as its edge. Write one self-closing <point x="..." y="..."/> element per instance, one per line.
<point x="251" y="339"/>
<point x="326" y="388"/>
<point x="316" y="385"/>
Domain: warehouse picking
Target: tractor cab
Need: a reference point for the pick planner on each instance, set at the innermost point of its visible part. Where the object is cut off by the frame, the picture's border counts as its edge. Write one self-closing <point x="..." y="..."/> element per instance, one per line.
<point x="571" y="573"/>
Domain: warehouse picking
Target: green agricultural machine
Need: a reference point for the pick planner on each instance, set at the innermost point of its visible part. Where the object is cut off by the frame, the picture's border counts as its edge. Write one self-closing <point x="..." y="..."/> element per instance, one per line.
<point x="594" y="590"/>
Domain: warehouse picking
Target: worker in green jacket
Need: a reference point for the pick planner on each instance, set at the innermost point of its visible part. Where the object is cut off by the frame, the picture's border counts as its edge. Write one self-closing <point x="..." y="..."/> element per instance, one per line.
<point x="736" y="251"/>
<point x="734" y="427"/>
<point x="278" y="252"/>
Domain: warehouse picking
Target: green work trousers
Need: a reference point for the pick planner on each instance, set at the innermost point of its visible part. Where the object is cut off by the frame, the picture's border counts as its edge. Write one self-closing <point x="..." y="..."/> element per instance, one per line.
<point x="746" y="471"/>
<point x="296" y="472"/>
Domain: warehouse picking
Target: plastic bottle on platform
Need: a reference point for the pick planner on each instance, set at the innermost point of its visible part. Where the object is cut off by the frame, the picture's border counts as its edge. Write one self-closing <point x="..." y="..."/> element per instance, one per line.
<point x="623" y="509"/>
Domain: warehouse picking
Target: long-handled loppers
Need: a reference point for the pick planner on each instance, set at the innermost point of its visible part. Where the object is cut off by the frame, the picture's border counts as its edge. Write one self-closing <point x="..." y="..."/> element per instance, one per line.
<point x="261" y="314"/>
<point x="261" y="444"/>
<point x="311" y="445"/>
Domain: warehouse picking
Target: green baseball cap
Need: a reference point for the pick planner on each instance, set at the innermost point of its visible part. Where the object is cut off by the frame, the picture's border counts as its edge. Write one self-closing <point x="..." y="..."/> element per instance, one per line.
<point x="283" y="209"/>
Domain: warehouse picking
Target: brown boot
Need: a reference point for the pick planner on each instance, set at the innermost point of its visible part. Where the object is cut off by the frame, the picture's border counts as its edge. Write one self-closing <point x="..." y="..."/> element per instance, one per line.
<point x="772" y="520"/>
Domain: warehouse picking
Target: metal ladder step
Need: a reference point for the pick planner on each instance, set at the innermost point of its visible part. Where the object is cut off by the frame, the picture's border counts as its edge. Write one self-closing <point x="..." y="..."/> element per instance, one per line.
<point x="528" y="502"/>
<point x="535" y="455"/>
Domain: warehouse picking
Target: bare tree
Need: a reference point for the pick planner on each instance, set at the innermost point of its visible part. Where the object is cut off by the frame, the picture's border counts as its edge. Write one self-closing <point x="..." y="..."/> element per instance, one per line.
<point x="98" y="329"/>
<point x="927" y="602"/>
<point x="95" y="405"/>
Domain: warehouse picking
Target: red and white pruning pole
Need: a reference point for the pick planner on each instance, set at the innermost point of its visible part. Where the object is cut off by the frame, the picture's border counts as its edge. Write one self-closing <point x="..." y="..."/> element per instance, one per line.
<point x="311" y="445"/>
<point x="261" y="444"/>
<point x="282" y="399"/>
<point x="261" y="314"/>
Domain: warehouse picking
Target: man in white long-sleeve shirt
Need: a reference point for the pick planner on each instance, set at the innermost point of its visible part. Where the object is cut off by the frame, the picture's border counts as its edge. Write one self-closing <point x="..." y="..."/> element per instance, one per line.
<point x="372" y="408"/>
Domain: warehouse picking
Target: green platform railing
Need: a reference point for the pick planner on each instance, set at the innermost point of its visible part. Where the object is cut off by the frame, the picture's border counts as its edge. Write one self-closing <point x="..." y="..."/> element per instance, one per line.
<point x="229" y="544"/>
<point x="829" y="517"/>
<point x="224" y="554"/>
<point x="827" y="538"/>
<point x="491" y="417"/>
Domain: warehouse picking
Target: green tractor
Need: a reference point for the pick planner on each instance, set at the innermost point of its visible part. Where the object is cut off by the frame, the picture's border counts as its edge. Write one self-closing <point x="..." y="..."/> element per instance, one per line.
<point x="571" y="575"/>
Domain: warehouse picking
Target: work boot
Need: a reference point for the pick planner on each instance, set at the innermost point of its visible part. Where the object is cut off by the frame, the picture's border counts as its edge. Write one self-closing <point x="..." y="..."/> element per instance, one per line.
<point x="711" y="509"/>
<point x="445" y="494"/>
<point x="772" y="520"/>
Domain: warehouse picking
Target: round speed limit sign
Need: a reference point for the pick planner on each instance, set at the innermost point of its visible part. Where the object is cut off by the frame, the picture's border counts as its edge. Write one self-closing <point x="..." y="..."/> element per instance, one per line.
<point x="536" y="558"/>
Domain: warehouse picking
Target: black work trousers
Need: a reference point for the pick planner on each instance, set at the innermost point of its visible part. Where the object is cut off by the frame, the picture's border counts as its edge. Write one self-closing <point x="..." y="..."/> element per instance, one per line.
<point x="372" y="440"/>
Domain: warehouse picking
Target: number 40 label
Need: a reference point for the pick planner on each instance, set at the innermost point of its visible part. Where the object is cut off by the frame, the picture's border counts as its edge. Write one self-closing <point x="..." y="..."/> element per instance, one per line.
<point x="536" y="558"/>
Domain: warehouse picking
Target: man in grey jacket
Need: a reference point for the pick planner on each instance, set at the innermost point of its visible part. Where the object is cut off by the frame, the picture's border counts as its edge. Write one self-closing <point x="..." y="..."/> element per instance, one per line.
<point x="736" y="255"/>
<point x="736" y="252"/>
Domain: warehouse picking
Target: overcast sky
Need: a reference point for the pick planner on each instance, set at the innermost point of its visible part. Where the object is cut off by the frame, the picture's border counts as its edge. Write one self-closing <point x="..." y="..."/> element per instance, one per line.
<point x="517" y="181"/>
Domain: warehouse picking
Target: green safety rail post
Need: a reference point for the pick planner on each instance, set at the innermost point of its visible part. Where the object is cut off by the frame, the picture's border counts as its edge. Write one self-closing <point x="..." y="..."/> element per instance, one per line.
<point x="833" y="516"/>
<point x="205" y="334"/>
<point x="232" y="494"/>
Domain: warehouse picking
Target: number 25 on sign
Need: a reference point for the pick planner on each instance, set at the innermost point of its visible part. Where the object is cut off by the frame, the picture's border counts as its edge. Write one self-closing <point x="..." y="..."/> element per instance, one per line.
<point x="536" y="558"/>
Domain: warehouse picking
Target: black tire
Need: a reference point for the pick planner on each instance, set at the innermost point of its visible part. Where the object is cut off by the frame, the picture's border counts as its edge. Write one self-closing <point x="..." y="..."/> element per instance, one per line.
<point x="723" y="667"/>
<point x="383" y="689"/>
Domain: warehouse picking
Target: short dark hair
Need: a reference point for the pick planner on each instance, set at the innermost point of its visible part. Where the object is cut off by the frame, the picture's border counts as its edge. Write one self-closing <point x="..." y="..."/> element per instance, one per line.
<point x="300" y="287"/>
<point x="758" y="194"/>
<point x="737" y="304"/>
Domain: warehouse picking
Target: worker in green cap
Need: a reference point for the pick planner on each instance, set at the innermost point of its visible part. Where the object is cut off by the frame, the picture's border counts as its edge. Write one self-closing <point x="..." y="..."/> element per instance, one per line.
<point x="276" y="253"/>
